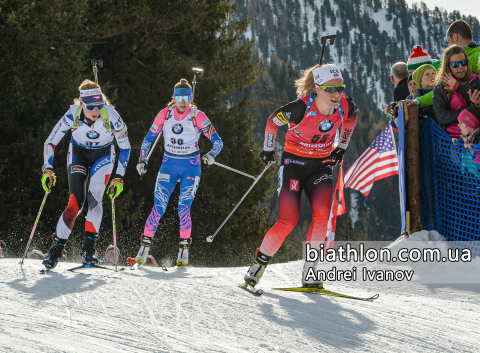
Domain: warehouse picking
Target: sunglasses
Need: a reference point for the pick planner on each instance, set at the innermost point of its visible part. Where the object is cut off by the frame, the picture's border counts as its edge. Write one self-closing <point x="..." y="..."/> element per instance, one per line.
<point x="455" y="64"/>
<point x="92" y="107"/>
<point x="333" y="89"/>
<point x="180" y="99"/>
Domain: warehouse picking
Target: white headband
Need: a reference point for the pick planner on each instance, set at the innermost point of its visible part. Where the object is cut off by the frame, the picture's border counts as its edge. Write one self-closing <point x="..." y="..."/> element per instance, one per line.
<point x="326" y="73"/>
<point x="90" y="92"/>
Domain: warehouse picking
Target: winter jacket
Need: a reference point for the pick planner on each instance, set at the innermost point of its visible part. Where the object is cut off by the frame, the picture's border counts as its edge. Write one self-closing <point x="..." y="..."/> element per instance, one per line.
<point x="473" y="52"/>
<point x="401" y="91"/>
<point x="445" y="113"/>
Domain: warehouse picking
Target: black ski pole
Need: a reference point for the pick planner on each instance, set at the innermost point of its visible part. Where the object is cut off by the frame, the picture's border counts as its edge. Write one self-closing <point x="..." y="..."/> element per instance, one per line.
<point x="323" y="41"/>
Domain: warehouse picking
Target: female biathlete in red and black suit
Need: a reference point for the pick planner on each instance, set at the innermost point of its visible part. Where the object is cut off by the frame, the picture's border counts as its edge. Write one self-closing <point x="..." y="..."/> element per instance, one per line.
<point x="307" y="160"/>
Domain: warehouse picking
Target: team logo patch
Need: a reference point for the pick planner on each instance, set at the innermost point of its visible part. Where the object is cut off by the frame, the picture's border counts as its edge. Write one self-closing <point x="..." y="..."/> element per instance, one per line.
<point x="79" y="169"/>
<point x="311" y="114"/>
<point x="164" y="177"/>
<point x="325" y="126"/>
<point x="322" y="178"/>
<point x="270" y="140"/>
<point x="294" y="185"/>
<point x="277" y="121"/>
<point x="92" y="134"/>
<point x="293" y="161"/>
<point x="282" y="118"/>
<point x="177" y="129"/>
<point x="327" y="161"/>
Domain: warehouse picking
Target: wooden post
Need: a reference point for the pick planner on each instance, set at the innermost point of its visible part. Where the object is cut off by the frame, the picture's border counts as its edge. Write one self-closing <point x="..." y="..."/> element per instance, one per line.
<point x="412" y="167"/>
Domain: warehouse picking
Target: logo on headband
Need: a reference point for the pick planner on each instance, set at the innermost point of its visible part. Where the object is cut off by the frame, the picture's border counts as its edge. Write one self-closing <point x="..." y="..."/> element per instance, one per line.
<point x="183" y="91"/>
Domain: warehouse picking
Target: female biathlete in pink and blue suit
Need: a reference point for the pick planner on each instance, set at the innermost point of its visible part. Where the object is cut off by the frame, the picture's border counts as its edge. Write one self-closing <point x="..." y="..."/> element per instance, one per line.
<point x="181" y="124"/>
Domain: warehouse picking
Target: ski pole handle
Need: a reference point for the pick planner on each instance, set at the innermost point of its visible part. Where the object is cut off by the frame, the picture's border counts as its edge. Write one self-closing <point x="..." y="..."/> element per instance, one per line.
<point x="210" y="238"/>
<point x="36" y="222"/>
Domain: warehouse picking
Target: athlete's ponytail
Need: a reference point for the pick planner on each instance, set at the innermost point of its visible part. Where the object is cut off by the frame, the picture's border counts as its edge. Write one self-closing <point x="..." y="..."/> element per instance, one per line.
<point x="306" y="85"/>
<point x="183" y="83"/>
<point x="88" y="84"/>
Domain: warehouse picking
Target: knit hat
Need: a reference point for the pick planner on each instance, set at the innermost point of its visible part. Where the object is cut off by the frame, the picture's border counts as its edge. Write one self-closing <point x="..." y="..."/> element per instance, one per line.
<point x="469" y="116"/>
<point x="418" y="58"/>
<point x="410" y="77"/>
<point x="418" y="74"/>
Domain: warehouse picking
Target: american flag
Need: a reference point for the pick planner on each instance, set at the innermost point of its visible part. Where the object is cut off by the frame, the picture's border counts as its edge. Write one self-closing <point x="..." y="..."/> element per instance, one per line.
<point x="379" y="161"/>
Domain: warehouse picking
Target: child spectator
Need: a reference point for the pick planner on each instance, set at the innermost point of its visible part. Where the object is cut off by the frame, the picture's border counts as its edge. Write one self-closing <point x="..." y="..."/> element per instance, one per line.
<point x="412" y="88"/>
<point x="469" y="124"/>
<point x="451" y="96"/>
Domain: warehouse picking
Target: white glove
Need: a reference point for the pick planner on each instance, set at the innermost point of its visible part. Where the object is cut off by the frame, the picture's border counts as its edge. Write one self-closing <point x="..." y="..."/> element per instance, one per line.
<point x="208" y="158"/>
<point x="142" y="167"/>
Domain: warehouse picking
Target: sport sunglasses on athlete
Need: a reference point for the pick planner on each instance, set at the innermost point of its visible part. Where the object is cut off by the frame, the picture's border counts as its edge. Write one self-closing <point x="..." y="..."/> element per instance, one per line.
<point x="333" y="89"/>
<point x="92" y="107"/>
<point x="455" y="64"/>
<point x="179" y="99"/>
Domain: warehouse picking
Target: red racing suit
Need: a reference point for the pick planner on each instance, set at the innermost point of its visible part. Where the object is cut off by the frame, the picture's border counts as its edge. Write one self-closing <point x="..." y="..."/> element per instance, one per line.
<point x="306" y="164"/>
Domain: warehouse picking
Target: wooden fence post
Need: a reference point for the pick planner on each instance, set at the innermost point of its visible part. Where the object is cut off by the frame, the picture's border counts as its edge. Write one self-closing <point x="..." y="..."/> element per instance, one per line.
<point x="412" y="167"/>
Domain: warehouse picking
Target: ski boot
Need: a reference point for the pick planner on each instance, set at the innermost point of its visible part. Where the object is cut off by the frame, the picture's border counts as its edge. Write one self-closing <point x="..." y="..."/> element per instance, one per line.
<point x="184" y="248"/>
<point x="88" y="250"/>
<point x="312" y="281"/>
<point x="55" y="253"/>
<point x="255" y="273"/>
<point x="142" y="255"/>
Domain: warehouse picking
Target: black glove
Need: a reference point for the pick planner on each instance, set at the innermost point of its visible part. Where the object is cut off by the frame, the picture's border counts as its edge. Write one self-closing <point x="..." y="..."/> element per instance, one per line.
<point x="267" y="157"/>
<point x="337" y="155"/>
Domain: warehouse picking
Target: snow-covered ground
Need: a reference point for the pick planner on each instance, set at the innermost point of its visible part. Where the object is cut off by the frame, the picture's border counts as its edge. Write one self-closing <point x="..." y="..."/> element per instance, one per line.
<point x="203" y="310"/>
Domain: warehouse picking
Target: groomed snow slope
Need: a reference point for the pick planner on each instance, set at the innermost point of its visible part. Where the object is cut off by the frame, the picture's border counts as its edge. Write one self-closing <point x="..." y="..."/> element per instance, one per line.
<point x="203" y="310"/>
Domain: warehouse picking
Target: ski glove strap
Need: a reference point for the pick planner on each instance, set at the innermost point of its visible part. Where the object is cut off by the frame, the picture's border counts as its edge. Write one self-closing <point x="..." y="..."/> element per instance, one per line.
<point x="48" y="179"/>
<point x="116" y="187"/>
<point x="142" y="167"/>
<point x="337" y="155"/>
<point x="267" y="157"/>
<point x="208" y="158"/>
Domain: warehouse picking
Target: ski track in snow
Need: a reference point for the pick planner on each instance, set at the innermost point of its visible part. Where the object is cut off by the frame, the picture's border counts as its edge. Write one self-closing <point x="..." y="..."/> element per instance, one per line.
<point x="202" y="310"/>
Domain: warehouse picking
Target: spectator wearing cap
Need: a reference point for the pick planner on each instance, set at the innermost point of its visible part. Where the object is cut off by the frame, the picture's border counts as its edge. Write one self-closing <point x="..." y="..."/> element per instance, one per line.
<point x="469" y="124"/>
<point x="418" y="58"/>
<point x="3" y="249"/>
<point x="460" y="33"/>
<point x="424" y="78"/>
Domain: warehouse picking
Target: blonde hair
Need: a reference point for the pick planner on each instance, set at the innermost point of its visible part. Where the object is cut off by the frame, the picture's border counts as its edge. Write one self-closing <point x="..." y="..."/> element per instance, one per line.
<point x="183" y="83"/>
<point x="305" y="84"/>
<point x="446" y="68"/>
<point x="88" y="84"/>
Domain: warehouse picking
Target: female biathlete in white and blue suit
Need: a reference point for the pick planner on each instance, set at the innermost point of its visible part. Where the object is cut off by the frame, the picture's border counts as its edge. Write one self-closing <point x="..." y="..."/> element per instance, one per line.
<point x="181" y="125"/>
<point x="91" y="152"/>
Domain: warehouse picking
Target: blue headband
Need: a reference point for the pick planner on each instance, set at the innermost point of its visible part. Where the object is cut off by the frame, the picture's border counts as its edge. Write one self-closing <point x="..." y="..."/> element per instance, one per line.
<point x="182" y="92"/>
